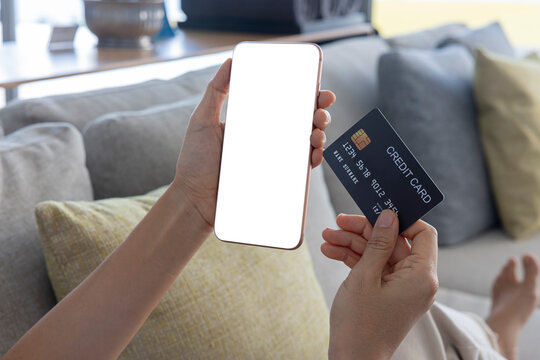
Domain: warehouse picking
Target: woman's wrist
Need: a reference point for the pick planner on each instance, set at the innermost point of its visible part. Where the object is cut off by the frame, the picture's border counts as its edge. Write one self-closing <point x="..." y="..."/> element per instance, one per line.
<point x="187" y="206"/>
<point x="358" y="348"/>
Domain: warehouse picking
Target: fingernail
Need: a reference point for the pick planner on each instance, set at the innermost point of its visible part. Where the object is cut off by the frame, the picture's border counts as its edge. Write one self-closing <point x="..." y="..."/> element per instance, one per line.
<point x="386" y="219"/>
<point x="327" y="118"/>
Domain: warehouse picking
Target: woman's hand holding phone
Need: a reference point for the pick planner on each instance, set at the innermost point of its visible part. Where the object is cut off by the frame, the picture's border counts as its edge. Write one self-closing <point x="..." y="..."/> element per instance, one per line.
<point x="197" y="171"/>
<point x="155" y="252"/>
<point x="391" y="284"/>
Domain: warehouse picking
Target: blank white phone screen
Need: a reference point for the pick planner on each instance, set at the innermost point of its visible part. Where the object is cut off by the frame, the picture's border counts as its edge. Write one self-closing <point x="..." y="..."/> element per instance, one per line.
<point x="266" y="150"/>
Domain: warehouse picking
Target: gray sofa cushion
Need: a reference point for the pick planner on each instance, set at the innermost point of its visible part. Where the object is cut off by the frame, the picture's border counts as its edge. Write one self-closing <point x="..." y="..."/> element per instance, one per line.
<point x="38" y="163"/>
<point x="481" y="259"/>
<point x="427" y="39"/>
<point x="320" y="215"/>
<point x="350" y="71"/>
<point x="130" y="153"/>
<point x="79" y="109"/>
<point x="491" y="38"/>
<point x="427" y="96"/>
<point x="195" y="82"/>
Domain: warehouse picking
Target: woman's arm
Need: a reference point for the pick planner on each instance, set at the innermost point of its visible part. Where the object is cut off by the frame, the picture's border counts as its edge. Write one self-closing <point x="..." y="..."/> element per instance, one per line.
<point x="100" y="316"/>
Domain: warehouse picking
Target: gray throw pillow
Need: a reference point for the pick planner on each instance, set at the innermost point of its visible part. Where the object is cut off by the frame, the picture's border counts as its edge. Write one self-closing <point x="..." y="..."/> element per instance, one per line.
<point x="80" y="108"/>
<point x="491" y="38"/>
<point x="38" y="163"/>
<point x="427" y="39"/>
<point x="350" y="71"/>
<point x="427" y="96"/>
<point x="130" y="153"/>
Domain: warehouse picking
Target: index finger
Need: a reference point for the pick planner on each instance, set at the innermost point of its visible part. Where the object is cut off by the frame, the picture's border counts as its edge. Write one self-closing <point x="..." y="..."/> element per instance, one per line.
<point x="326" y="99"/>
<point x="423" y="239"/>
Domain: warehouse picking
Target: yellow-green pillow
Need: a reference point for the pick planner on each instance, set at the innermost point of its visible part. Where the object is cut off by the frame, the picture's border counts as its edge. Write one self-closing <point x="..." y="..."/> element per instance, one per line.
<point x="533" y="56"/>
<point x="507" y="92"/>
<point x="231" y="301"/>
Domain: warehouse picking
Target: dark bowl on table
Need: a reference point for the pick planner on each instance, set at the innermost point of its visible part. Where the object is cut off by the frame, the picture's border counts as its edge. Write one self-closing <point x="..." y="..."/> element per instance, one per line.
<point x="124" y="23"/>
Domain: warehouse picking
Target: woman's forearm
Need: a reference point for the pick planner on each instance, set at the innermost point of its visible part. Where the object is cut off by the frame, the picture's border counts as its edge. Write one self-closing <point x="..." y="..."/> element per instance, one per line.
<point x="99" y="317"/>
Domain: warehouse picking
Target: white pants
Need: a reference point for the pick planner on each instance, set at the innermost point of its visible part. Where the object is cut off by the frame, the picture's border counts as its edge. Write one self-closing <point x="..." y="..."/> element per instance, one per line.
<point x="446" y="334"/>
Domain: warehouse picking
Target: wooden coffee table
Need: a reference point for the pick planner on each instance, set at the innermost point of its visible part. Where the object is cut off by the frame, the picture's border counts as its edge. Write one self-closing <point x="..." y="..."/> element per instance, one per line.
<point x="28" y="62"/>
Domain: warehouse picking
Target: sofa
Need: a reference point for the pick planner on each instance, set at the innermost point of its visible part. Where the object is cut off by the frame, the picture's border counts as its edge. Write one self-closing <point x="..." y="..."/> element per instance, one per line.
<point x="98" y="151"/>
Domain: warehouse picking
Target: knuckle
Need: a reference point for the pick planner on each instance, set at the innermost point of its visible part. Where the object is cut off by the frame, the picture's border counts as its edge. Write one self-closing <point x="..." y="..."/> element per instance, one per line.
<point x="380" y="242"/>
<point x="213" y="88"/>
<point x="433" y="286"/>
<point x="432" y="231"/>
<point x="429" y="284"/>
<point x="210" y="86"/>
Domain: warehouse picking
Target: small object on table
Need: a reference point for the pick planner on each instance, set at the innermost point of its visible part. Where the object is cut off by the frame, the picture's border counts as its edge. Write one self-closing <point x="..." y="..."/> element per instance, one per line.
<point x="124" y="23"/>
<point x="62" y="38"/>
<point x="166" y="30"/>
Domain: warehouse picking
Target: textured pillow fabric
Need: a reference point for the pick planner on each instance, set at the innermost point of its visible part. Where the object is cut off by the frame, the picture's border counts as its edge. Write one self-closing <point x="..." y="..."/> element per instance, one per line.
<point x="427" y="96"/>
<point x="427" y="39"/>
<point x="38" y="163"/>
<point x="231" y="301"/>
<point x="131" y="153"/>
<point x="350" y="71"/>
<point x="508" y="95"/>
<point x="79" y="109"/>
<point x="490" y="38"/>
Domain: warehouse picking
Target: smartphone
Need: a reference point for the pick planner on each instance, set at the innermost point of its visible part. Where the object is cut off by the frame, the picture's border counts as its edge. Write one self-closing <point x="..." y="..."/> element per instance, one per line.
<point x="265" y="161"/>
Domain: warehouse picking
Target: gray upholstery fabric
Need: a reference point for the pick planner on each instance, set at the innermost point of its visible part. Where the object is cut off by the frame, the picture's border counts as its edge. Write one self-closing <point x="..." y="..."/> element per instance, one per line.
<point x="131" y="153"/>
<point x="195" y="82"/>
<point x="79" y="109"/>
<point x="321" y="215"/>
<point x="491" y="38"/>
<point x="427" y="39"/>
<point x="41" y="162"/>
<point x="350" y="71"/>
<point x="427" y="96"/>
<point x="481" y="259"/>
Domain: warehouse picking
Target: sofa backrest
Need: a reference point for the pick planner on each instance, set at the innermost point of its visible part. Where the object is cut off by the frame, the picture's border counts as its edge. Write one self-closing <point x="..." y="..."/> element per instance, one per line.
<point x="80" y="108"/>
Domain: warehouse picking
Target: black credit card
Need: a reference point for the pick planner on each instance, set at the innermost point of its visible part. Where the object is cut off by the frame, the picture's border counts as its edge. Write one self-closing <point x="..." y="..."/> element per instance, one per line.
<point x="380" y="172"/>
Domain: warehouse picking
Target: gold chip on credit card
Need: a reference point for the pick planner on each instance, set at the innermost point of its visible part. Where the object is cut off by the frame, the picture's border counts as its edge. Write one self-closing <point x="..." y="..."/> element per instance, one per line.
<point x="360" y="139"/>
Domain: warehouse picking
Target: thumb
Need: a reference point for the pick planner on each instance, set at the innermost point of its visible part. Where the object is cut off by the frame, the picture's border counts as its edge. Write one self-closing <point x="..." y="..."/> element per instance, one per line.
<point x="379" y="247"/>
<point x="209" y="108"/>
